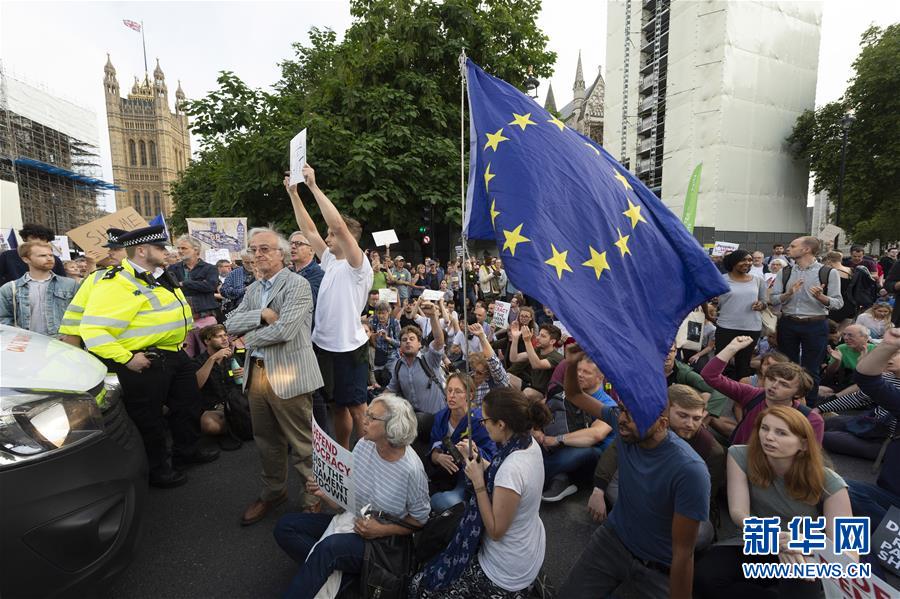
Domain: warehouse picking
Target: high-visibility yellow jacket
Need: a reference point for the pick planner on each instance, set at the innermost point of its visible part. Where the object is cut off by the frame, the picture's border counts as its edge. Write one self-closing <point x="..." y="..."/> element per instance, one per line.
<point x="72" y="318"/>
<point x="125" y="314"/>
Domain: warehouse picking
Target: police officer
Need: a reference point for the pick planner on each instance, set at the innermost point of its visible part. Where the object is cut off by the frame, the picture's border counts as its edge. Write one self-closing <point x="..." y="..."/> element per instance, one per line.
<point x="68" y="328"/>
<point x="136" y="323"/>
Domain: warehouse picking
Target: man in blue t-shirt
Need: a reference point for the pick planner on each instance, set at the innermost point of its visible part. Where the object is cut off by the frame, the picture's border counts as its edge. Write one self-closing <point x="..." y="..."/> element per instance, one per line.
<point x="646" y="547"/>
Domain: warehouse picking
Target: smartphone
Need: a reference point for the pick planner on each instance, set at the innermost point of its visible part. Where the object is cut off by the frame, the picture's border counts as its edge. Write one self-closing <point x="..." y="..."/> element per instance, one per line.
<point x="450" y="448"/>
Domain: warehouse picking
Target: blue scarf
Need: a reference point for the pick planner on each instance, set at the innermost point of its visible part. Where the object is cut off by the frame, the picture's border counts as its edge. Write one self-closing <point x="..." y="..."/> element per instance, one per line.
<point x="447" y="566"/>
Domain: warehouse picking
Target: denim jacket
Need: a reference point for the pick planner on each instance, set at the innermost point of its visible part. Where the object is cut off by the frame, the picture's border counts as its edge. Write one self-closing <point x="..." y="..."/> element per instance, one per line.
<point x="60" y="291"/>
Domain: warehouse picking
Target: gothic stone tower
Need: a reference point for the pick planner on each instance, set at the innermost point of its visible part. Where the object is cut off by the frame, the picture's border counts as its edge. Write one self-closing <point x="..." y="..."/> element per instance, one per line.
<point x="150" y="145"/>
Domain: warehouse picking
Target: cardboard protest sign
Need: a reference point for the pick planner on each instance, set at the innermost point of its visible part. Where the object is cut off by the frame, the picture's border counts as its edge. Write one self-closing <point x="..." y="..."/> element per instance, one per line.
<point x="219" y="233"/>
<point x="431" y="295"/>
<point x="332" y="468"/>
<point x="61" y="248"/>
<point x="213" y="256"/>
<point x="501" y="314"/>
<point x="723" y="247"/>
<point x="849" y="588"/>
<point x="92" y="236"/>
<point x="388" y="295"/>
<point x="388" y="237"/>
<point x="298" y="157"/>
<point x="886" y="540"/>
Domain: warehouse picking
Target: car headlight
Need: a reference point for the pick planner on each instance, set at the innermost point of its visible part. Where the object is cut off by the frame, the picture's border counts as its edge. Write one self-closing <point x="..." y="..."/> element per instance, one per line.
<point x="36" y="423"/>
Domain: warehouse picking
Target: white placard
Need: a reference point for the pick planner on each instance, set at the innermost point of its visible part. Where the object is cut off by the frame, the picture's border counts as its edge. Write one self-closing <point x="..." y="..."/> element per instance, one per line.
<point x="849" y="588"/>
<point x="501" y="314"/>
<point x="219" y="233"/>
<point x="387" y="295"/>
<point x="459" y="250"/>
<point x="298" y="157"/>
<point x="383" y="238"/>
<point x="61" y="249"/>
<point x="332" y="468"/>
<point x="723" y="247"/>
<point x="213" y="256"/>
<point x="430" y="295"/>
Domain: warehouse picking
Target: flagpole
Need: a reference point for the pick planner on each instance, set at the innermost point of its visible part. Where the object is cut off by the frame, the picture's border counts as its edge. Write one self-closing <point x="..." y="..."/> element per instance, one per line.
<point x="144" y="42"/>
<point x="465" y="245"/>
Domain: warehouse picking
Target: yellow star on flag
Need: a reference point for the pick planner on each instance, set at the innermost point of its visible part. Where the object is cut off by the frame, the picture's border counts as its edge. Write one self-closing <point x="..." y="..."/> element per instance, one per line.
<point x="513" y="238"/>
<point x="488" y="175"/>
<point x="622" y="243"/>
<point x="558" y="261"/>
<point x="623" y="180"/>
<point x="494" y="212"/>
<point x="591" y="146"/>
<point x="494" y="139"/>
<point x="522" y="120"/>
<point x="597" y="262"/>
<point x="634" y="213"/>
<point x="558" y="123"/>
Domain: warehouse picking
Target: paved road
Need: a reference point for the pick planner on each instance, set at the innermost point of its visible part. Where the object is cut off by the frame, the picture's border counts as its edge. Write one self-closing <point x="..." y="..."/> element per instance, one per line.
<point x="193" y="545"/>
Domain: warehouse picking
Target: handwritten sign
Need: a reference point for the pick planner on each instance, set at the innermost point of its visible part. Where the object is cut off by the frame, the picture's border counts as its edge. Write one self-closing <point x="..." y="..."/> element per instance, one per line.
<point x="382" y="238"/>
<point x="723" y="247"/>
<point x="332" y="466"/>
<point x="501" y="314"/>
<point x="387" y="295"/>
<point x="298" y="157"/>
<point x="92" y="236"/>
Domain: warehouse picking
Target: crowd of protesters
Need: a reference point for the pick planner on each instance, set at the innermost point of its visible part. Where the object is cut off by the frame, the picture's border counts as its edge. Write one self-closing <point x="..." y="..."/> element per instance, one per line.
<point x="446" y="407"/>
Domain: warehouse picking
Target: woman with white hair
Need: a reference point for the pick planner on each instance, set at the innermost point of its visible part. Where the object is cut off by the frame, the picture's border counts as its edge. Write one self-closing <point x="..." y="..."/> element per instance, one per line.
<point x="387" y="475"/>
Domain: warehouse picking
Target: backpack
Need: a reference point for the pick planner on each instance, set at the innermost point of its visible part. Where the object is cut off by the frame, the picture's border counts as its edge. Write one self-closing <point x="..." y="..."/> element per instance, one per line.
<point x="863" y="289"/>
<point x="751" y="405"/>
<point x="432" y="377"/>
<point x="566" y="417"/>
<point x="824" y="273"/>
<point x="237" y="413"/>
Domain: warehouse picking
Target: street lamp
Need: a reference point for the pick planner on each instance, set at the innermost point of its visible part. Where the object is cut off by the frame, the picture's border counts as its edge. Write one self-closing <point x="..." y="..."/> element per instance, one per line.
<point x="531" y="84"/>
<point x="846" y="122"/>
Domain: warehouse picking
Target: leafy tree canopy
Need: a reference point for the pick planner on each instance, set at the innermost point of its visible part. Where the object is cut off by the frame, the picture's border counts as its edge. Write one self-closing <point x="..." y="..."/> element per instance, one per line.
<point x="870" y="208"/>
<point x="381" y="108"/>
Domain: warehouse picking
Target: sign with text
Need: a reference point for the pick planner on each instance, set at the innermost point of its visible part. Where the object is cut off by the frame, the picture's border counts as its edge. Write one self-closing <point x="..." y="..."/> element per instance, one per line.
<point x="92" y="236"/>
<point x="886" y="540"/>
<point x="501" y="314"/>
<point x="863" y="586"/>
<point x="298" y="157"/>
<point x="431" y="295"/>
<point x="387" y="295"/>
<point x="723" y="247"/>
<point x="61" y="248"/>
<point x="332" y="466"/>
<point x="382" y="238"/>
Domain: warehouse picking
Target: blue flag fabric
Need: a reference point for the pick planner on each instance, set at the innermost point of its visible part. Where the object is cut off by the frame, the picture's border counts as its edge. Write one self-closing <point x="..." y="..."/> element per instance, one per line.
<point x="158" y="221"/>
<point x="579" y="233"/>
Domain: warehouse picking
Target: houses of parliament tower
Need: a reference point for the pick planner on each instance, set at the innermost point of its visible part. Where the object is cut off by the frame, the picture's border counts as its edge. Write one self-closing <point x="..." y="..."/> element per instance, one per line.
<point x="150" y="145"/>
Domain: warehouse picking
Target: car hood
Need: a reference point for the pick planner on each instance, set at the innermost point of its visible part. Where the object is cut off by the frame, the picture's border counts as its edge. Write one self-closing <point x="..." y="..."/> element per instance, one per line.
<point x="33" y="361"/>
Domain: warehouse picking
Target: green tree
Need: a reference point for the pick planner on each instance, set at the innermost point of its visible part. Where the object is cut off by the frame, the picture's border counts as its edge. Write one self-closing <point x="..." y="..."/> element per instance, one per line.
<point x="381" y="108"/>
<point x="870" y="208"/>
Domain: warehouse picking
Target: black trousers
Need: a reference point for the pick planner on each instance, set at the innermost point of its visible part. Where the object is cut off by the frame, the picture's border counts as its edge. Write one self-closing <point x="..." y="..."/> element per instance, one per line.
<point x="743" y="357"/>
<point x="170" y="381"/>
<point x="719" y="574"/>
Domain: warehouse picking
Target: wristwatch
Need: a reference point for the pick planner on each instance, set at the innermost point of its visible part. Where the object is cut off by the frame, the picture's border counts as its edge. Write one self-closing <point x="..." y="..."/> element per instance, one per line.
<point x="559" y="439"/>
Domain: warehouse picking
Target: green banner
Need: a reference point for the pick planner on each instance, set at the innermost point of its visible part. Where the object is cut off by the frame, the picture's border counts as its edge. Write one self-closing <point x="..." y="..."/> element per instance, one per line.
<point x="690" y="199"/>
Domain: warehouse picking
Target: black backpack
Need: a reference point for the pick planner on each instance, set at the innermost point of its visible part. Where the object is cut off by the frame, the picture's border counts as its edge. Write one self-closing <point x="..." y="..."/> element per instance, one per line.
<point x="566" y="417"/>
<point x="237" y="414"/>
<point x="824" y="273"/>
<point x="863" y="289"/>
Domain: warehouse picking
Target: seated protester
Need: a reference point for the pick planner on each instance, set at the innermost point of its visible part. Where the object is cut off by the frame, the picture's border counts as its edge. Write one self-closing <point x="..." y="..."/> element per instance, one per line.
<point x="447" y="482"/>
<point x="503" y="341"/>
<point x="780" y="473"/>
<point x="877" y="319"/>
<point x="686" y="412"/>
<point x="481" y="317"/>
<point x="758" y="379"/>
<point x="646" y="546"/>
<point x="417" y="376"/>
<point x="860" y="435"/>
<point x="386" y="331"/>
<point x="574" y="441"/>
<point x="464" y="342"/>
<point x="843" y="359"/>
<point x="680" y="373"/>
<point x="785" y="385"/>
<point x="504" y="504"/>
<point x="388" y="476"/>
<point x="485" y="368"/>
<point x="868" y="499"/>
<point x="541" y="361"/>
<point x="217" y="383"/>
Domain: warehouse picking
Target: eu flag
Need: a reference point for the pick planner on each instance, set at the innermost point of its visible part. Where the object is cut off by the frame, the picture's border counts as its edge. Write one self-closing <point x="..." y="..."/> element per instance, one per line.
<point x="583" y="236"/>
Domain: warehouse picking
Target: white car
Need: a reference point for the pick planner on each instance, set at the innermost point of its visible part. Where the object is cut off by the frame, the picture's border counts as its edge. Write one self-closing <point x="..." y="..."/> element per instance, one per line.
<point x="73" y="473"/>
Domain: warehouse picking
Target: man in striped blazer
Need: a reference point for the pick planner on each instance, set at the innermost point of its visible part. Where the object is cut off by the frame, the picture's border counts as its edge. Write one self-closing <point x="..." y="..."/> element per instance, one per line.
<point x="275" y="320"/>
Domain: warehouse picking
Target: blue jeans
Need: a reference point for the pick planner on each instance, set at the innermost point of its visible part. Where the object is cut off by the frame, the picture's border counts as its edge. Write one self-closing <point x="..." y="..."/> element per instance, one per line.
<point x="805" y="344"/>
<point x="870" y="500"/>
<point x="297" y="533"/>
<point x="447" y="499"/>
<point x="570" y="460"/>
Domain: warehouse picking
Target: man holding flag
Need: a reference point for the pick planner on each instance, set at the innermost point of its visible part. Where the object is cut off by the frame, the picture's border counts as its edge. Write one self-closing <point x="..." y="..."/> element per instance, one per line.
<point x="581" y="235"/>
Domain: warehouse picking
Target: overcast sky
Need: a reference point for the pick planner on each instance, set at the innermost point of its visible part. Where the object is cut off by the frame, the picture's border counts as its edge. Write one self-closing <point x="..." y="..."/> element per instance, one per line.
<point x="62" y="46"/>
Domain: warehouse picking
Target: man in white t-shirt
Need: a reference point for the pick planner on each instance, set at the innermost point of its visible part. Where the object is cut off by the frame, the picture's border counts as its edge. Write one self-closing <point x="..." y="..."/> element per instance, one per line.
<point x="339" y="339"/>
